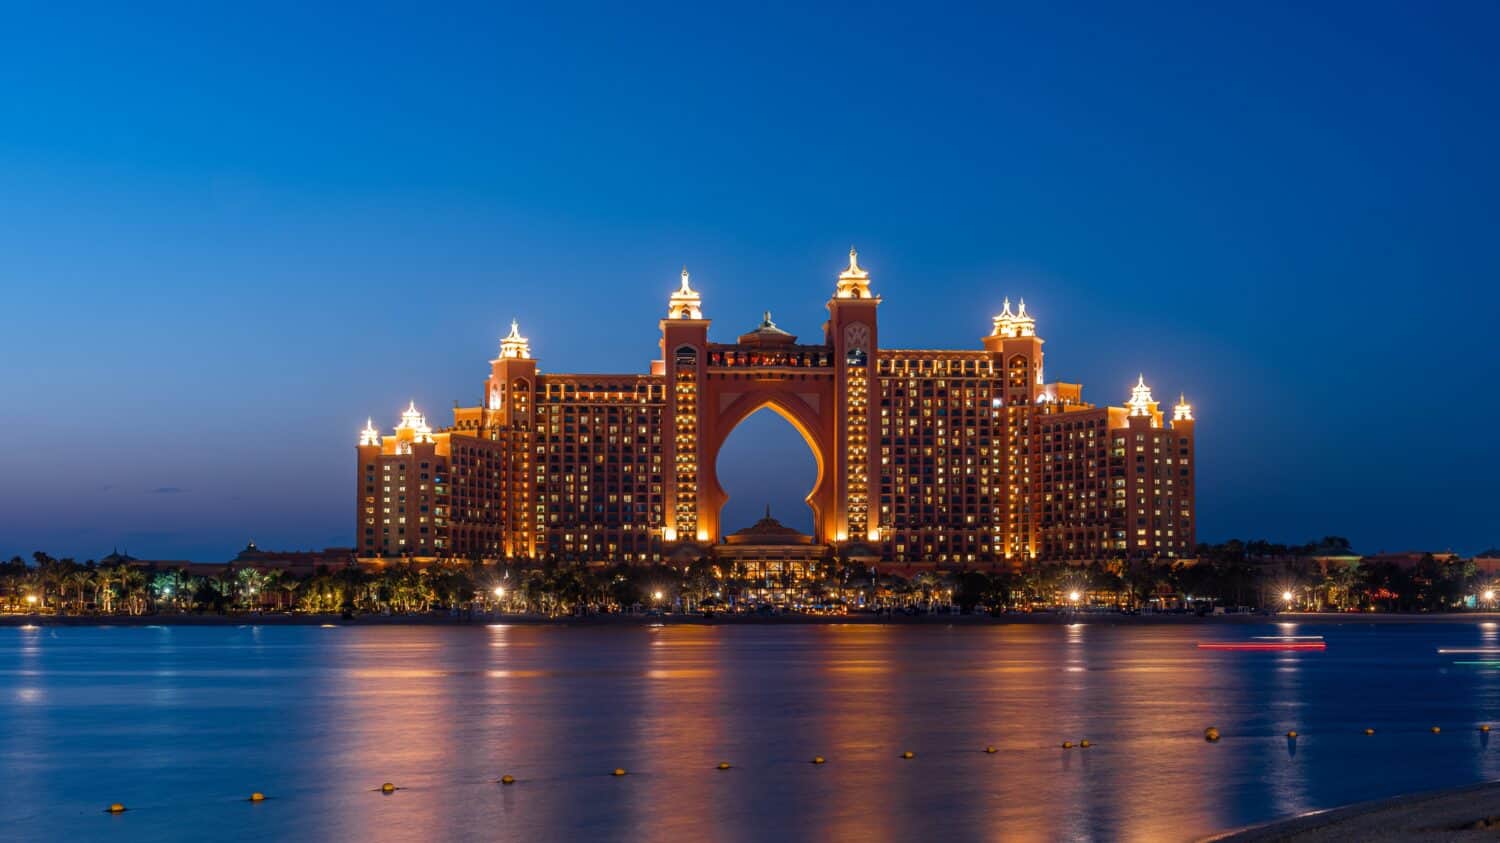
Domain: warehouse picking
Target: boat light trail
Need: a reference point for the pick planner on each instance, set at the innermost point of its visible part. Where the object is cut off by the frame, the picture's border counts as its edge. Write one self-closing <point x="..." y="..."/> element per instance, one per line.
<point x="1267" y="646"/>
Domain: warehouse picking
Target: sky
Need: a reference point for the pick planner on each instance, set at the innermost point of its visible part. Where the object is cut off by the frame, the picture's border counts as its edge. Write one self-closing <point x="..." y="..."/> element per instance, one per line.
<point x="230" y="232"/>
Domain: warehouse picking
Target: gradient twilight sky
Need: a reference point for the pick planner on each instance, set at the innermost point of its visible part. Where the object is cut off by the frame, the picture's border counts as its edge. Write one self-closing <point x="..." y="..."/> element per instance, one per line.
<point x="229" y="234"/>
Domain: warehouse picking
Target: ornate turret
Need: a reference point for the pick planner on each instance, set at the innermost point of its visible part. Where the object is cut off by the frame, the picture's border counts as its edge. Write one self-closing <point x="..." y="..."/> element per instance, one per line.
<point x="1018" y="324"/>
<point x="1140" y="402"/>
<point x="369" y="436"/>
<point x="1182" y="410"/>
<point x="513" y="345"/>
<point x="413" y="425"/>
<point x="685" y="303"/>
<point x="854" y="282"/>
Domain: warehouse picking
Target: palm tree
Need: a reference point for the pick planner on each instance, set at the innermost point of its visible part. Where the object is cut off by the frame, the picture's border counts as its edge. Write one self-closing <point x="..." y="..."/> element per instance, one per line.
<point x="81" y="580"/>
<point x="104" y="582"/>
<point x="290" y="586"/>
<point x="133" y="588"/>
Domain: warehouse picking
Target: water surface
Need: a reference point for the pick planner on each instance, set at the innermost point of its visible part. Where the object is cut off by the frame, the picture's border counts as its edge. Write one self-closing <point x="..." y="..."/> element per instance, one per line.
<point x="182" y="723"/>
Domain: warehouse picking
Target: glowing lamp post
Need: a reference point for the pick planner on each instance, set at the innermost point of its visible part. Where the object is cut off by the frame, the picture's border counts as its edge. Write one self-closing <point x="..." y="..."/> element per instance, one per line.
<point x="1073" y="597"/>
<point x="1286" y="598"/>
<point x="31" y="601"/>
<point x="1489" y="597"/>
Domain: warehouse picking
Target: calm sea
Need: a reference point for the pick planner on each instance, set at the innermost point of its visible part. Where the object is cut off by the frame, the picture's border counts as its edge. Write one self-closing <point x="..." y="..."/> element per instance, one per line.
<point x="181" y="724"/>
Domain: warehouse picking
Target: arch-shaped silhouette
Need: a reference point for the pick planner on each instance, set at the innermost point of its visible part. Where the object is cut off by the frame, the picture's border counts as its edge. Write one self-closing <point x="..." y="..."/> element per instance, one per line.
<point x="812" y="419"/>
<point x="766" y="433"/>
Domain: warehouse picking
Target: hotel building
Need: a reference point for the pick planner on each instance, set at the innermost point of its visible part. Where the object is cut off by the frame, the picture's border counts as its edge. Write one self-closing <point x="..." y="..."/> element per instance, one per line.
<point x="953" y="457"/>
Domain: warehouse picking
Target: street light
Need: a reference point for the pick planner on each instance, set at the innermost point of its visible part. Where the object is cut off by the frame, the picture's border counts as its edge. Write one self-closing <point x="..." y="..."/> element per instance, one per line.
<point x="31" y="599"/>
<point x="1489" y="595"/>
<point x="656" y="595"/>
<point x="1073" y="595"/>
<point x="1286" y="597"/>
<point x="499" y="592"/>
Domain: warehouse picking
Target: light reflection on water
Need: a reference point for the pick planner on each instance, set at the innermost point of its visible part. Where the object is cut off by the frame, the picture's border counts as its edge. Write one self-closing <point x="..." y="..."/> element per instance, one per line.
<point x="181" y="723"/>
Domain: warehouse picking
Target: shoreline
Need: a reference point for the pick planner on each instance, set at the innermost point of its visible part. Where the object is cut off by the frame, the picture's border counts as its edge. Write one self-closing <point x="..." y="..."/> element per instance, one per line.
<point x="1060" y="618"/>
<point x="1471" y="812"/>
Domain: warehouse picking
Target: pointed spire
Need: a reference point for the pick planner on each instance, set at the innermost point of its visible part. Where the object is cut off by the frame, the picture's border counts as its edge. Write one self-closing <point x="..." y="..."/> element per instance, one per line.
<point x="513" y="345"/>
<point x="1183" y="411"/>
<point x="414" y="424"/>
<point x="854" y="282"/>
<point x="685" y="303"/>
<point x="1140" y="402"/>
<point x="1017" y="324"/>
<point x="369" y="436"/>
<point x="1025" y="322"/>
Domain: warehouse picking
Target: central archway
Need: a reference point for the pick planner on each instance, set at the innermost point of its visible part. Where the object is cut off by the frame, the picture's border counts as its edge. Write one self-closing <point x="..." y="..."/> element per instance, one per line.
<point x="816" y="429"/>
<point x="767" y="462"/>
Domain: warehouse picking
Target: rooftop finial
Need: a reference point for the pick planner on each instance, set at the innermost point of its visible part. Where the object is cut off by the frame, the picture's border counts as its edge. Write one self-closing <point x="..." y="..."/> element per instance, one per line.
<point x="854" y="282"/>
<point x="1183" y="411"/>
<point x="1017" y="324"/>
<point x="685" y="303"/>
<point x="1140" y="398"/>
<point x="513" y="345"/>
<point x="369" y="436"/>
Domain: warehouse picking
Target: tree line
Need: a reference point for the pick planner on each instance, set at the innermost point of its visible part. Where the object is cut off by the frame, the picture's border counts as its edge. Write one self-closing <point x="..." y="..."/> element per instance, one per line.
<point x="1320" y="575"/>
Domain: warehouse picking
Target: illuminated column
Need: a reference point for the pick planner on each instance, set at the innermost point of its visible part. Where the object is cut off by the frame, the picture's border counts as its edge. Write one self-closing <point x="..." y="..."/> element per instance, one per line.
<point x="510" y="410"/>
<point x="1181" y="444"/>
<point x="1143" y="470"/>
<point x="684" y="345"/>
<point x="852" y="331"/>
<point x="367" y="487"/>
<point x="1017" y="354"/>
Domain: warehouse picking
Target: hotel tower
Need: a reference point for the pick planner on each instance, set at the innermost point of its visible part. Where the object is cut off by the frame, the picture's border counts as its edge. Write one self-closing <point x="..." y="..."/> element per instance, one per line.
<point x="952" y="457"/>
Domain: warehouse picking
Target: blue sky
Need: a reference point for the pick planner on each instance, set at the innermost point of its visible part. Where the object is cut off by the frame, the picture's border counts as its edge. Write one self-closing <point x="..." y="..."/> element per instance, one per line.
<point x="229" y="234"/>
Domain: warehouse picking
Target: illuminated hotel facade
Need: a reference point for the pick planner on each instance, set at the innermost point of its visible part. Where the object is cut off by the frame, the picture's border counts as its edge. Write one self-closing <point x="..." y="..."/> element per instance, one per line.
<point x="950" y="457"/>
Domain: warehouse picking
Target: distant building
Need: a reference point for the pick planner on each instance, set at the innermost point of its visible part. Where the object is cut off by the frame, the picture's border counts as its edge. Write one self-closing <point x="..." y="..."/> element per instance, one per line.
<point x="1409" y="559"/>
<point x="768" y="548"/>
<point x="947" y="457"/>
<point x="297" y="562"/>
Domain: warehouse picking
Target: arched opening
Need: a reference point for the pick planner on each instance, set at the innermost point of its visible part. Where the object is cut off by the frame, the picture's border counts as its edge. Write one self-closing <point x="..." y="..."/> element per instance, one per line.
<point x="766" y="461"/>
